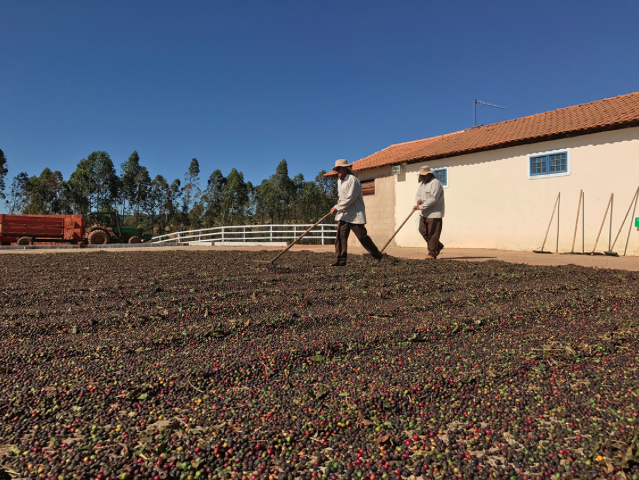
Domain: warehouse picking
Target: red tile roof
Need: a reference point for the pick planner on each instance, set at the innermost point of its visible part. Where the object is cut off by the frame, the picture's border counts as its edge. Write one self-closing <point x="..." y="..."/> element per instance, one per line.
<point x="390" y="154"/>
<point x="608" y="114"/>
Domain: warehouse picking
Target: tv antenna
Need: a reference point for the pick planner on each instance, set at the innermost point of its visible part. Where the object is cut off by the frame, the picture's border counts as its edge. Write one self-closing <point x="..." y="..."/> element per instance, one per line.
<point x="484" y="103"/>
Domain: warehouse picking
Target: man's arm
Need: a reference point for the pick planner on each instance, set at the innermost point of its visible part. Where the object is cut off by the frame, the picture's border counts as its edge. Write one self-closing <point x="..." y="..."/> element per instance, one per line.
<point x="418" y="201"/>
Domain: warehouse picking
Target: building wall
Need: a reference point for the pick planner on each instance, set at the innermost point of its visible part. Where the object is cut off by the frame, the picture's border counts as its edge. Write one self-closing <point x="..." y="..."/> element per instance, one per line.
<point x="380" y="208"/>
<point x="492" y="203"/>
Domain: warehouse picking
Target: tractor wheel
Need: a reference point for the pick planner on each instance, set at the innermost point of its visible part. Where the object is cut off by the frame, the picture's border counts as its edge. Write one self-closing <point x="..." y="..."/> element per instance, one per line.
<point x="25" y="241"/>
<point x="135" y="240"/>
<point x="98" y="237"/>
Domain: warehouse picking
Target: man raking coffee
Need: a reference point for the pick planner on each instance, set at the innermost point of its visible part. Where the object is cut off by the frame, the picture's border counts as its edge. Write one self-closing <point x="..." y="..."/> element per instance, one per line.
<point x="430" y="203"/>
<point x="350" y="213"/>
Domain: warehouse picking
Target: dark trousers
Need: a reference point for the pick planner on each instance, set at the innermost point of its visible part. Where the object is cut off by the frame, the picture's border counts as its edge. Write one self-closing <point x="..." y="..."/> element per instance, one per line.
<point x="341" y="240"/>
<point x="431" y="230"/>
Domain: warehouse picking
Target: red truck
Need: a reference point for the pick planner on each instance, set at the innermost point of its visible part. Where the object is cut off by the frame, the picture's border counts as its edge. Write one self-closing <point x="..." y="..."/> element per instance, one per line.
<point x="27" y="229"/>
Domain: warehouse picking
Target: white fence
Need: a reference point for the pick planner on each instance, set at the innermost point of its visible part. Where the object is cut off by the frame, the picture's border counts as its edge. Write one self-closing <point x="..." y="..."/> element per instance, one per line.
<point x="252" y="234"/>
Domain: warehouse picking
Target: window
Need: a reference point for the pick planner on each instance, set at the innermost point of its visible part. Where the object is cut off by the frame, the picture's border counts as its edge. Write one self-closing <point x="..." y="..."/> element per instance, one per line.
<point x="549" y="164"/>
<point x="368" y="187"/>
<point x="442" y="175"/>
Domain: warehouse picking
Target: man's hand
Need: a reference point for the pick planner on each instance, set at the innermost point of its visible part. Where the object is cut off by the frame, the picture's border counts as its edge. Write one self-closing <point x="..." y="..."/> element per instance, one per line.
<point x="416" y="207"/>
<point x="333" y="211"/>
<point x="419" y="202"/>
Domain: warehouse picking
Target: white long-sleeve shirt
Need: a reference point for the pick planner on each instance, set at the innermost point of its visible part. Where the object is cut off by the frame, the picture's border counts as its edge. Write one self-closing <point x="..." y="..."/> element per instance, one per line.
<point x="350" y="208"/>
<point x="432" y="196"/>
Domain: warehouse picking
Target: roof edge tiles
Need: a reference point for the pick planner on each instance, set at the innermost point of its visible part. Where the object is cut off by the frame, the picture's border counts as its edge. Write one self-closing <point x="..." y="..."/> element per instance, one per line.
<point x="608" y="114"/>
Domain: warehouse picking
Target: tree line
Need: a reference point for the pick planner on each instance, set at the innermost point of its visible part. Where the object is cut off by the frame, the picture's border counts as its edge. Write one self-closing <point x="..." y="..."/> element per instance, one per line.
<point x="160" y="206"/>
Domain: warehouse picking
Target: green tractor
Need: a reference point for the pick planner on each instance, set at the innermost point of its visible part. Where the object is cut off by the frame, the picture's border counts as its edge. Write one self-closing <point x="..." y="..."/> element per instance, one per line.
<point x="106" y="227"/>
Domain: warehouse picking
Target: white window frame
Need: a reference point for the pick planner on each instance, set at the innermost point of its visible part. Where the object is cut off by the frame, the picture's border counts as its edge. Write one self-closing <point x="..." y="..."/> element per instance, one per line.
<point x="548" y="175"/>
<point x="447" y="175"/>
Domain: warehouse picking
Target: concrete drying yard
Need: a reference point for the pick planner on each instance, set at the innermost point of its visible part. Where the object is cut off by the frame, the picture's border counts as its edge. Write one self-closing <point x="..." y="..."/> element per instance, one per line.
<point x="463" y="254"/>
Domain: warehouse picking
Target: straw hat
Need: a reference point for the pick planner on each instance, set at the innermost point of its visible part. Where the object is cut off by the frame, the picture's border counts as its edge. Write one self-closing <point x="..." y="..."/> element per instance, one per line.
<point x="425" y="170"/>
<point x="343" y="164"/>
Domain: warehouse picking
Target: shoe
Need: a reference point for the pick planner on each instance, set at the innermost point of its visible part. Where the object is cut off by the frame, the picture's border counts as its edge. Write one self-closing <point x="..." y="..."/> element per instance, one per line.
<point x="440" y="249"/>
<point x="430" y="257"/>
<point x="337" y="264"/>
<point x="376" y="260"/>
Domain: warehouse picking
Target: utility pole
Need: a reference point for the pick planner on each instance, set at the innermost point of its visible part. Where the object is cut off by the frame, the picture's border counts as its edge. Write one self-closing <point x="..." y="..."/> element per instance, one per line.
<point x="487" y="104"/>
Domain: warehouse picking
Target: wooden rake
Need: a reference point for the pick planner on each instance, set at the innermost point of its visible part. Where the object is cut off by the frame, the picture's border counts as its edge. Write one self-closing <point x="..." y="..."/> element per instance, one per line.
<point x="397" y="231"/>
<point x="269" y="262"/>
<point x="548" y="229"/>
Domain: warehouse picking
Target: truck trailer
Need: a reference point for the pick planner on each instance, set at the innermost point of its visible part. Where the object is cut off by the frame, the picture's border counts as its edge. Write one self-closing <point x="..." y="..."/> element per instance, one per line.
<point x="29" y="229"/>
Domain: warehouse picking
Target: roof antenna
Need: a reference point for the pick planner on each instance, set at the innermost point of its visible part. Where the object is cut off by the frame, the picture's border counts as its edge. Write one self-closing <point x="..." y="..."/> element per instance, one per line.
<point x="484" y="103"/>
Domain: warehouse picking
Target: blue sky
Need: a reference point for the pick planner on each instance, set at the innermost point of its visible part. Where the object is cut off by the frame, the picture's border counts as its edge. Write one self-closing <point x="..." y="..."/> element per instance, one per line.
<point x="246" y="83"/>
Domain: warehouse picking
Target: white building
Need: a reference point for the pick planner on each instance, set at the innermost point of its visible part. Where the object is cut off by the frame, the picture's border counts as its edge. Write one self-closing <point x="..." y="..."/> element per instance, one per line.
<point x="502" y="180"/>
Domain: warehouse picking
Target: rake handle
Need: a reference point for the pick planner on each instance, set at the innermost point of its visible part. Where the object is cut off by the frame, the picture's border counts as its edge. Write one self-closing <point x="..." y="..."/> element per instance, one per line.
<point x="572" y="250"/>
<point x="397" y="231"/>
<point x="602" y="223"/>
<point x="550" y="223"/>
<point x="299" y="238"/>
<point x="630" y="224"/>
<point x="624" y="218"/>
